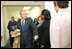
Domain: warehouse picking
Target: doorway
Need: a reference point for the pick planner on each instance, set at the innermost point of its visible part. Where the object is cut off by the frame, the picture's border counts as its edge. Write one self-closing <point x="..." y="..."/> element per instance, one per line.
<point x="13" y="9"/>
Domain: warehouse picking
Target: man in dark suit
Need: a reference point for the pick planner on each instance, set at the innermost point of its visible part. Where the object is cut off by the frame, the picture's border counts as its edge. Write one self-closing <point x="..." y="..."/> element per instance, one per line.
<point x="25" y="25"/>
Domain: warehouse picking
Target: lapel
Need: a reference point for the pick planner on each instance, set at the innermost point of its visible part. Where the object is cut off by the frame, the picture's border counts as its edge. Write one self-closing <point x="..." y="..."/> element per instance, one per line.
<point x="25" y="23"/>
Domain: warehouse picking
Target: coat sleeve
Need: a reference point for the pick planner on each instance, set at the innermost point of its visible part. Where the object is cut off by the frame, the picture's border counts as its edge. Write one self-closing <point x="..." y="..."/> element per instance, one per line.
<point x="46" y="35"/>
<point x="9" y="28"/>
<point x="34" y="28"/>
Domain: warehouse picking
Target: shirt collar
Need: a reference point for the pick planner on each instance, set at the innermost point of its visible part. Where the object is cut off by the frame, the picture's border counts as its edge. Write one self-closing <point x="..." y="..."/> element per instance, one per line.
<point x="23" y="21"/>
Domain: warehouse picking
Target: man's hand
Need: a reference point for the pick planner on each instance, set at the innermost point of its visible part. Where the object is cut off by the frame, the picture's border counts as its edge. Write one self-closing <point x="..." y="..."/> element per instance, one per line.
<point x="35" y="37"/>
<point x="42" y="46"/>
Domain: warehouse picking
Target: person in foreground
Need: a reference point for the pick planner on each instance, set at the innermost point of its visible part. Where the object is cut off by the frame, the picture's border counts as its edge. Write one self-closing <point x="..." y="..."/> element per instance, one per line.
<point x="27" y="36"/>
<point x="60" y="28"/>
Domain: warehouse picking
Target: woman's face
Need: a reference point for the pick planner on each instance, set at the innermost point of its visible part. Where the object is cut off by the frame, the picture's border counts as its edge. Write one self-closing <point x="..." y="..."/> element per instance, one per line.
<point x="43" y="17"/>
<point x="35" y="20"/>
<point x="12" y="18"/>
<point x="40" y="20"/>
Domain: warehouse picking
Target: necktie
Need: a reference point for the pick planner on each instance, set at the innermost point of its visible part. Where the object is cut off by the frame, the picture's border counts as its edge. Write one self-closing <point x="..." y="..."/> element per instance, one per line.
<point x="22" y="25"/>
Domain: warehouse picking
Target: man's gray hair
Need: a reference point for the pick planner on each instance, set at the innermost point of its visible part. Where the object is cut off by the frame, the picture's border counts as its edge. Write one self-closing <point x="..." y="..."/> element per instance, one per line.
<point x="22" y="11"/>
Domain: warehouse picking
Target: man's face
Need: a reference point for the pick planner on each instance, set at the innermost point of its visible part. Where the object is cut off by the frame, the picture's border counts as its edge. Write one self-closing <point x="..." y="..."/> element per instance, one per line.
<point x="56" y="7"/>
<point x="23" y="15"/>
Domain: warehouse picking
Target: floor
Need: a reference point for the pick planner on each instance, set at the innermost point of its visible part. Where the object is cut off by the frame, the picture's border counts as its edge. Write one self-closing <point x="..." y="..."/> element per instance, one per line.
<point x="7" y="46"/>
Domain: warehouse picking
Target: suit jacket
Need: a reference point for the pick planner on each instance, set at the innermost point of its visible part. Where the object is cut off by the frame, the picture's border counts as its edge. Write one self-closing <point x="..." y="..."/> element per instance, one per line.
<point x="44" y="34"/>
<point x="27" y="33"/>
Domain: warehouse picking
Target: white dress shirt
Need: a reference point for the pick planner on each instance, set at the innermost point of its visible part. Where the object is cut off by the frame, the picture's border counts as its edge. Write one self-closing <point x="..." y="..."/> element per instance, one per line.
<point x="60" y="29"/>
<point x="23" y="21"/>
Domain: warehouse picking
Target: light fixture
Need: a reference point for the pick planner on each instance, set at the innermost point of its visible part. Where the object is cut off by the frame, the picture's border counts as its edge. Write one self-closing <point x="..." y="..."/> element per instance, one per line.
<point x="26" y="8"/>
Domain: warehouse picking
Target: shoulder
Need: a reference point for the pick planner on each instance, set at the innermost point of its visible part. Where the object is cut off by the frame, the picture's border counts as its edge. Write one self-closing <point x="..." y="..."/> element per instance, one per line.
<point x="9" y="21"/>
<point x="15" y="21"/>
<point x="29" y="19"/>
<point x="46" y="23"/>
<point x="18" y="21"/>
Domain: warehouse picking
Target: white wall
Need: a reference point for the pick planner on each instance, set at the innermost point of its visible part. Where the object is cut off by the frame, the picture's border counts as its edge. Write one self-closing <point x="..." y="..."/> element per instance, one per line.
<point x="2" y="30"/>
<point x="13" y="11"/>
<point x="50" y="6"/>
<point x="34" y="12"/>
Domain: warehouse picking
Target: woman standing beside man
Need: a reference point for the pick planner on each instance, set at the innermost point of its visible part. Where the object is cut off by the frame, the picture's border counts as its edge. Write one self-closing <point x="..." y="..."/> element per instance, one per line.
<point x="43" y="29"/>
